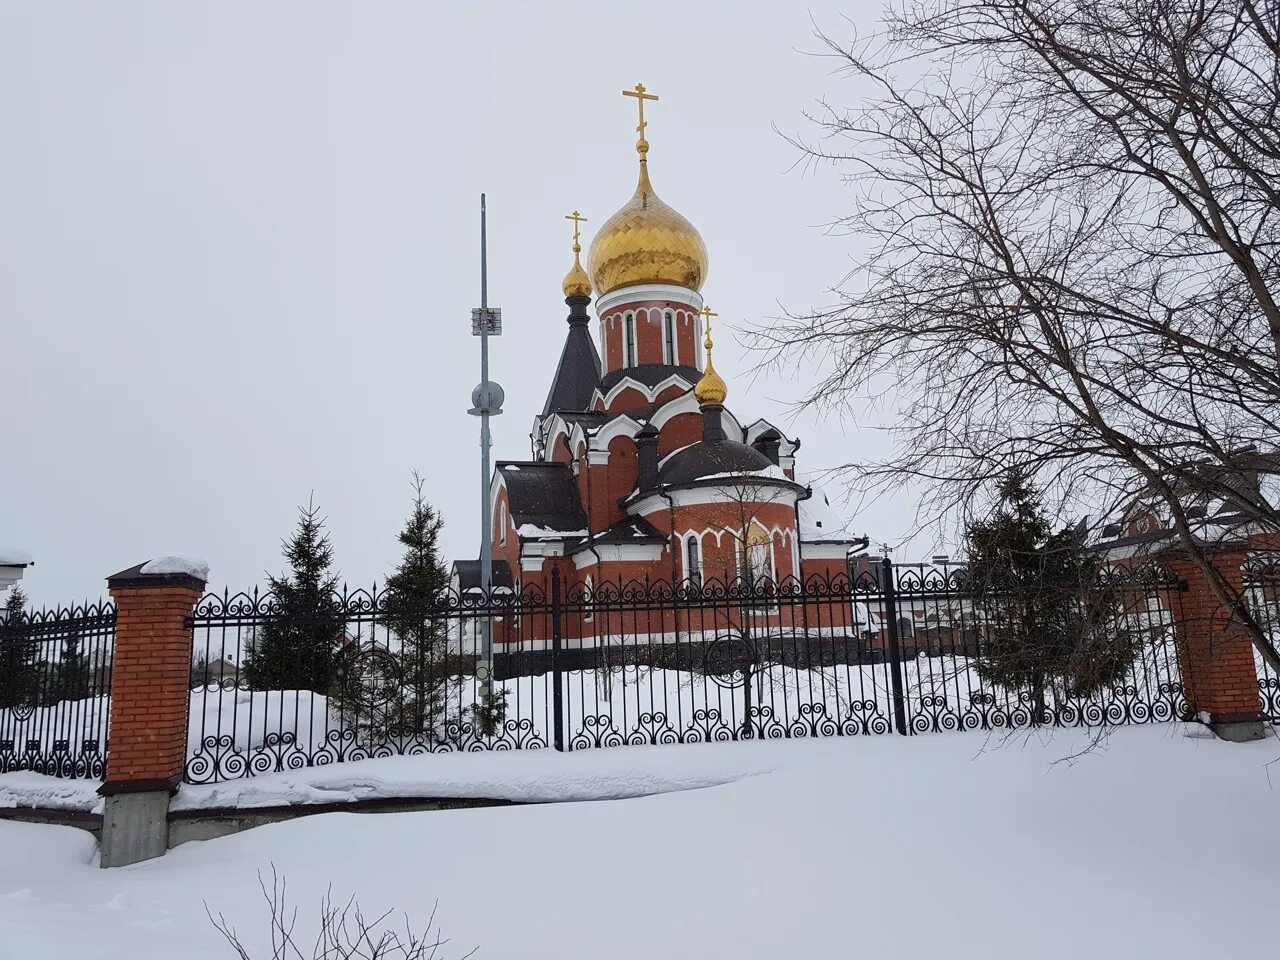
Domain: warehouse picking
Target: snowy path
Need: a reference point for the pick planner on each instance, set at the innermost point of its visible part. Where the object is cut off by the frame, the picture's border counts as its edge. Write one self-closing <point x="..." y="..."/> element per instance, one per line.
<point x="1161" y="845"/>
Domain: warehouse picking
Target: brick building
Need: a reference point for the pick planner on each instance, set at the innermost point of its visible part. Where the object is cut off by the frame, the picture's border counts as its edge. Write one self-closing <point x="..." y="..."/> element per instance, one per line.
<point x="640" y="471"/>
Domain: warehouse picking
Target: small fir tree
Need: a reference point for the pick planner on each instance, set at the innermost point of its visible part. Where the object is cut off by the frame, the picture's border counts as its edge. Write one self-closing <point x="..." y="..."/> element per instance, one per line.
<point x="19" y="669"/>
<point x="1050" y="623"/>
<point x="300" y="646"/>
<point x="415" y="615"/>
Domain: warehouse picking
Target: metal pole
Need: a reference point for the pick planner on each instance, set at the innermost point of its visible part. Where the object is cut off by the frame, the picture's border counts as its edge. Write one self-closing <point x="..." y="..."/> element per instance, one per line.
<point x="557" y="674"/>
<point x="486" y="505"/>
<point x="895" y="646"/>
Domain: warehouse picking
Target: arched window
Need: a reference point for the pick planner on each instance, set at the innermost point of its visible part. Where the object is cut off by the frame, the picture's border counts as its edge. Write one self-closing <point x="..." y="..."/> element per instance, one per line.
<point x="629" y="344"/>
<point x="669" y="338"/>
<point x="693" y="560"/>
<point x="502" y="523"/>
<point x="758" y="555"/>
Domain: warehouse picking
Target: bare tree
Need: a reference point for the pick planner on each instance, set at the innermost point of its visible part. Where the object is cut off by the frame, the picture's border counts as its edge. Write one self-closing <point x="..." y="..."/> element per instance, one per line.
<point x="345" y="932"/>
<point x="1073" y="215"/>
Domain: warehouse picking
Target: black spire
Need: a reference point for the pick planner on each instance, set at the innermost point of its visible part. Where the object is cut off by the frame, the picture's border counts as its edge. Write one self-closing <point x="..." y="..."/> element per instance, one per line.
<point x="579" y="369"/>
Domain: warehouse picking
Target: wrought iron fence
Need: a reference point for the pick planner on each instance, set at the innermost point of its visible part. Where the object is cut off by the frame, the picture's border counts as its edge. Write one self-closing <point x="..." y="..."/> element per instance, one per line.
<point x="55" y="690"/>
<point x="889" y="648"/>
<point x="1262" y="588"/>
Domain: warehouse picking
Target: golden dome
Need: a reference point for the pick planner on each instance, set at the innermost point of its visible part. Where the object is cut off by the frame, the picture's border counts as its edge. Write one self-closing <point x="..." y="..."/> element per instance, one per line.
<point x="647" y="242"/>
<point x="576" y="282"/>
<point x="711" y="388"/>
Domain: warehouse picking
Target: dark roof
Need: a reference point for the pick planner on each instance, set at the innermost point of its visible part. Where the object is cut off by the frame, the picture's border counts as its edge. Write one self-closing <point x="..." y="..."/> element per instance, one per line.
<point x="709" y="457"/>
<point x="579" y="368"/>
<point x="630" y="530"/>
<point x="543" y="494"/>
<point x="468" y="574"/>
<point x="650" y="374"/>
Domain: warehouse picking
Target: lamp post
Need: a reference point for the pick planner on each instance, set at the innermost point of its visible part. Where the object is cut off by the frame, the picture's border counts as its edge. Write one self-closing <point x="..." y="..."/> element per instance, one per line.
<point x="486" y="402"/>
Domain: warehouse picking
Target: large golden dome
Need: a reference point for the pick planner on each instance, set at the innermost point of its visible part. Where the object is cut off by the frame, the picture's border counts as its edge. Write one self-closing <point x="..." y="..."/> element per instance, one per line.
<point x="647" y="242"/>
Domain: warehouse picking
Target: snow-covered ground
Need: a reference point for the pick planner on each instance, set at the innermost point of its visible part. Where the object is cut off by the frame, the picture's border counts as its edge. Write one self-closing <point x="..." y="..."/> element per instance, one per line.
<point x="1159" y="845"/>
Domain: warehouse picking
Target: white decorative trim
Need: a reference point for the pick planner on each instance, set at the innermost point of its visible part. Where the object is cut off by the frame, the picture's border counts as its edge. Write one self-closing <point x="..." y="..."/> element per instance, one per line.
<point x="622" y="426"/>
<point x="530" y="564"/>
<point x="648" y="552"/>
<point x="820" y="550"/>
<point x="714" y="493"/>
<point x="649" y="393"/>
<point x="786" y="448"/>
<point x="598" y="458"/>
<point x="647" y="293"/>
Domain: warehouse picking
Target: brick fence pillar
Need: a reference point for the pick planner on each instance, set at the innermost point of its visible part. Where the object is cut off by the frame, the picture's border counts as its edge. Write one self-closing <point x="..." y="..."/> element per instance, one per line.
<point x="1216" y="655"/>
<point x="150" y="684"/>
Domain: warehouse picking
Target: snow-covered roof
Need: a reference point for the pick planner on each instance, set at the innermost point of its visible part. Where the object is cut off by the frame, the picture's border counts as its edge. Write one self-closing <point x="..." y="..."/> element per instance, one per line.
<point x="819" y="520"/>
<point x="170" y="565"/>
<point x="13" y="557"/>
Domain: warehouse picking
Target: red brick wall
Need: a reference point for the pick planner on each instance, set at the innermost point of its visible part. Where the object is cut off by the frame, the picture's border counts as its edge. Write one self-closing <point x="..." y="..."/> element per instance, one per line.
<point x="1215" y="654"/>
<point x="680" y="431"/>
<point x="650" y="333"/>
<point x="150" y="680"/>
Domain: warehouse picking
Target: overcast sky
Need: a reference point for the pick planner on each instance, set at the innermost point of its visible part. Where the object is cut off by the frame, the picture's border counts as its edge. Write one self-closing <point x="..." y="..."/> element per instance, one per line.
<point x="239" y="247"/>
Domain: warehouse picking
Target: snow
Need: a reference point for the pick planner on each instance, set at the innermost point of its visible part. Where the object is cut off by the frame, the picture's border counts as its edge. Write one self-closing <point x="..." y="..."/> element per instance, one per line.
<point x="956" y="845"/>
<point x="13" y="557"/>
<point x="773" y="472"/>
<point x="185" y="565"/>
<point x="819" y="520"/>
<point x="532" y="530"/>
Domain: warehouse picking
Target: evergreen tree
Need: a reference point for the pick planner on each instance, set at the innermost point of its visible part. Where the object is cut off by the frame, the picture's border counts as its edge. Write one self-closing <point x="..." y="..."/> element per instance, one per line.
<point x="415" y="614"/>
<point x="299" y="647"/>
<point x="1050" y="623"/>
<point x="71" y="673"/>
<point x="19" y="669"/>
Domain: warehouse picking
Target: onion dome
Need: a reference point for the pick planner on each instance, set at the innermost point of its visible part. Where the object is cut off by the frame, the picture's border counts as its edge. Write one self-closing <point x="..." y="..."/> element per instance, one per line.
<point x="576" y="282"/>
<point x="647" y="241"/>
<point x="711" y="389"/>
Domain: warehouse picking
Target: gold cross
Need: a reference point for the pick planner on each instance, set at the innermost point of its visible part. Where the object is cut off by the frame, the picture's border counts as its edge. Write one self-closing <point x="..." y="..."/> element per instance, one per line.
<point x="707" y="312"/>
<point x="577" y="218"/>
<point x="641" y="97"/>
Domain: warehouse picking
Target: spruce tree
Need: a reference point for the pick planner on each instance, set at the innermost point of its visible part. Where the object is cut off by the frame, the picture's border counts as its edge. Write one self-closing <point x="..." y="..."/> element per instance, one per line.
<point x="19" y="669"/>
<point x="1050" y="624"/>
<point x="72" y="671"/>
<point x="415" y="615"/>
<point x="300" y="646"/>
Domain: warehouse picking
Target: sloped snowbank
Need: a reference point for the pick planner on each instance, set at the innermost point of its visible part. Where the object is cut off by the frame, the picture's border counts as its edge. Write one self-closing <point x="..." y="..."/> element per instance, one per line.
<point x="1160" y="845"/>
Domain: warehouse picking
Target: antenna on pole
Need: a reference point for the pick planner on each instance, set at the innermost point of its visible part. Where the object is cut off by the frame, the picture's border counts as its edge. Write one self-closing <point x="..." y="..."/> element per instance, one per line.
<point x="486" y="401"/>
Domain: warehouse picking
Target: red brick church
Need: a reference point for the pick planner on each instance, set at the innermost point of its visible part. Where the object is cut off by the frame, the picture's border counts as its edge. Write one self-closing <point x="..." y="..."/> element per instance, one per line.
<point x="640" y="469"/>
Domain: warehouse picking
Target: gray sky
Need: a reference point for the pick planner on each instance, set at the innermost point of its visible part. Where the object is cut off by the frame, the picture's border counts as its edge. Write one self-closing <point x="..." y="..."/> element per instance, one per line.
<point x="238" y="251"/>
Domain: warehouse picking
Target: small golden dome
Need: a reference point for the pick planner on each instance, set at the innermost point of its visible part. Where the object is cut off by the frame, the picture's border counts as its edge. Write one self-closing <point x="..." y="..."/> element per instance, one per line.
<point x="711" y="388"/>
<point x="576" y="281"/>
<point x="647" y="242"/>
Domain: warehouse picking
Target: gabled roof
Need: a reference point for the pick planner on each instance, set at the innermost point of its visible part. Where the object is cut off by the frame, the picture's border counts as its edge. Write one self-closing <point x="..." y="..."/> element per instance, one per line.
<point x="543" y="495"/>
<point x="649" y="374"/>
<point x="630" y="530"/>
<point x="468" y="574"/>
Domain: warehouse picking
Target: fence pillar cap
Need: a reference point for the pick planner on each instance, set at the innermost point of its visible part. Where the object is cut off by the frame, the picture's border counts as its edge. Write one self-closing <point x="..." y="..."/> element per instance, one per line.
<point x="161" y="572"/>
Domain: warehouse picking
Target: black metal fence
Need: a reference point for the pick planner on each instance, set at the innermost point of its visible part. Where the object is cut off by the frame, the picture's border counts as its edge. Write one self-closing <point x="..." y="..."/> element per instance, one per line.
<point x="894" y="648"/>
<point x="55" y="690"/>
<point x="1262" y="587"/>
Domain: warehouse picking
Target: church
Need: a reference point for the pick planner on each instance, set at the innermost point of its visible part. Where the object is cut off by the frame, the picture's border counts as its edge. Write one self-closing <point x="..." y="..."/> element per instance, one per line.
<point x="640" y="469"/>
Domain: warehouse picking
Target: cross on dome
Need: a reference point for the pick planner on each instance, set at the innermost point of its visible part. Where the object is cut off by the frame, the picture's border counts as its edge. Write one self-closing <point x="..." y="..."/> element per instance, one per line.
<point x="642" y="145"/>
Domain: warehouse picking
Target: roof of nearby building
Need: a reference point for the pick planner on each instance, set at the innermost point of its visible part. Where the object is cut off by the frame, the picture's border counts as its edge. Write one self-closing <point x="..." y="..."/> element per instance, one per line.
<point x="543" y="495"/>
<point x="468" y="574"/>
<point x="819" y="521"/>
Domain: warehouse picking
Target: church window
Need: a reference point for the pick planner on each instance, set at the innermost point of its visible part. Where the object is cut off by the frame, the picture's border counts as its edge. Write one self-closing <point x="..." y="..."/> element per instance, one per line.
<point x="758" y="556"/>
<point x="629" y="346"/>
<point x="669" y="337"/>
<point x="693" y="560"/>
<point x="502" y="523"/>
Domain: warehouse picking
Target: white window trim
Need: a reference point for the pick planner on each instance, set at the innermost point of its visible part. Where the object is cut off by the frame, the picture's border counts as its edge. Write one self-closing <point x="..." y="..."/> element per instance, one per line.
<point x="629" y="340"/>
